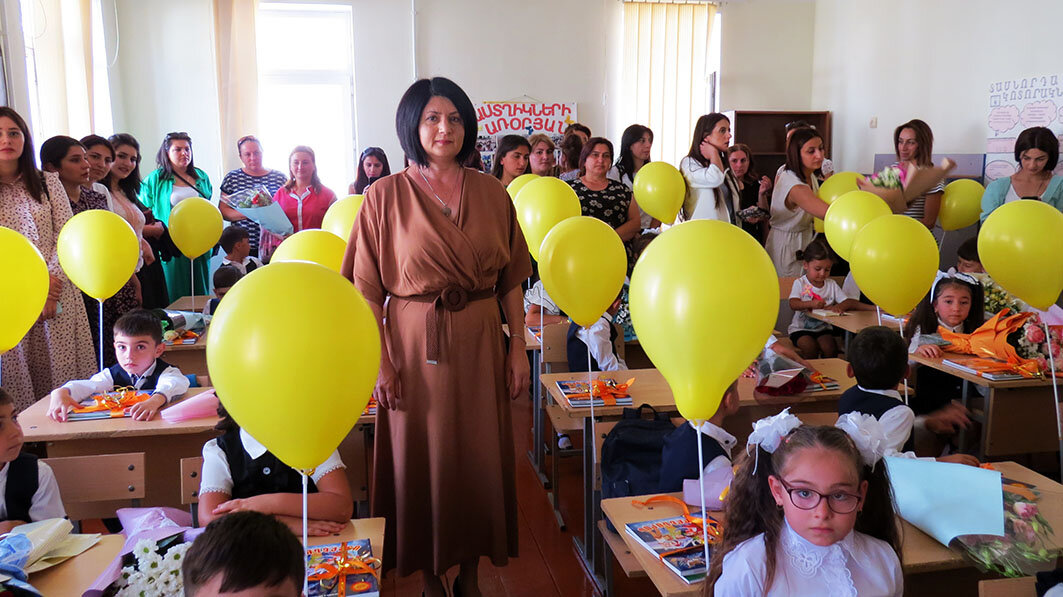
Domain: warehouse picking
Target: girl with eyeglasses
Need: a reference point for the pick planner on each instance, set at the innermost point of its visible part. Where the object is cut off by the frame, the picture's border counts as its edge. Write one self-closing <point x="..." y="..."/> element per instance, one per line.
<point x="808" y="514"/>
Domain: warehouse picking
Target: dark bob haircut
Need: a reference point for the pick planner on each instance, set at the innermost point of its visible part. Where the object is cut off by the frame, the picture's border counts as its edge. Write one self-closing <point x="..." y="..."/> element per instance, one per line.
<point x="1041" y="138"/>
<point x="54" y="149"/>
<point x="412" y="104"/>
<point x="588" y="147"/>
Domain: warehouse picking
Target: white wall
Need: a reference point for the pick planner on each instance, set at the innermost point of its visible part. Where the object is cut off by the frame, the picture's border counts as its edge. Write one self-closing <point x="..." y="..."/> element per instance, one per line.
<point x="766" y="55"/>
<point x="920" y="59"/>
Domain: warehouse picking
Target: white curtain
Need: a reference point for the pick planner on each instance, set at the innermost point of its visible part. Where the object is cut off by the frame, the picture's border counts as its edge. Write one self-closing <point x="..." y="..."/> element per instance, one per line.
<point x="237" y="70"/>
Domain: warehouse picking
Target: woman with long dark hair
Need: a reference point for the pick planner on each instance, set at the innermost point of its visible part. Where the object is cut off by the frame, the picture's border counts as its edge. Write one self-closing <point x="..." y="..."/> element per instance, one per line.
<point x="175" y="180"/>
<point x="794" y="202"/>
<point x="511" y="158"/>
<point x="712" y="193"/>
<point x="372" y="164"/>
<point x="635" y="145"/>
<point x="754" y="190"/>
<point x="58" y="347"/>
<point x="913" y="143"/>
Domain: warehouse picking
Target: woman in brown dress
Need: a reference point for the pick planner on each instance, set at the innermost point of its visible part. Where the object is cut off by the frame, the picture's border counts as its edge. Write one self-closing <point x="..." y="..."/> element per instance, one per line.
<point x="441" y="244"/>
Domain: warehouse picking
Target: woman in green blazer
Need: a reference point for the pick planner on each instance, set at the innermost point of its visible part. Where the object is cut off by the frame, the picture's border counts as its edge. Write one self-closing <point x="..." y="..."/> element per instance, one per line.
<point x="176" y="179"/>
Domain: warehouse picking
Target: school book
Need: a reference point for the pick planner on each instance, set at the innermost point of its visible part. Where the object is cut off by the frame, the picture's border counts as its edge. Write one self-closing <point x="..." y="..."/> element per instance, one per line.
<point x="536" y="331"/>
<point x="677" y="542"/>
<point x="350" y="563"/>
<point x="577" y="395"/>
<point x="108" y="405"/>
<point x="973" y="370"/>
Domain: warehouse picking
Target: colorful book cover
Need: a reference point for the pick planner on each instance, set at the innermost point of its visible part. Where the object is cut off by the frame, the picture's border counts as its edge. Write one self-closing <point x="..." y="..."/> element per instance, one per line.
<point x="326" y="564"/>
<point x="108" y="405"/>
<point x="677" y="542"/>
<point x="578" y="396"/>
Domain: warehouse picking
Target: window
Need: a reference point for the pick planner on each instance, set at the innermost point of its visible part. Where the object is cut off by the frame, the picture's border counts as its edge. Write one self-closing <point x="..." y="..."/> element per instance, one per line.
<point x="670" y="56"/>
<point x="306" y="86"/>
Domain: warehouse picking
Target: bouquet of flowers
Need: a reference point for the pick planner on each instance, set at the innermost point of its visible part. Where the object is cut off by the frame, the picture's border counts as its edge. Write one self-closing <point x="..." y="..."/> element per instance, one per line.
<point x="891" y="177"/>
<point x="1023" y="546"/>
<point x="257" y="204"/>
<point x="152" y="568"/>
<point x="998" y="299"/>
<point x="1033" y="343"/>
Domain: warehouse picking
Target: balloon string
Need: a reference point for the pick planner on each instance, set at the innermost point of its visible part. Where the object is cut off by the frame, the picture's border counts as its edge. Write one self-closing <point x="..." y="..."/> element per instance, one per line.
<point x="905" y="378"/>
<point x="305" y="554"/>
<point x="879" y="311"/>
<point x="1055" y="394"/>
<point x="701" y="489"/>
<point x="192" y="270"/>
<point x="101" y="333"/>
<point x="590" y="392"/>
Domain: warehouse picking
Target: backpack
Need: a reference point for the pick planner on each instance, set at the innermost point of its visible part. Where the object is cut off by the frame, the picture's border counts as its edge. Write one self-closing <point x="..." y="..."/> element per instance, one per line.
<point x="631" y="453"/>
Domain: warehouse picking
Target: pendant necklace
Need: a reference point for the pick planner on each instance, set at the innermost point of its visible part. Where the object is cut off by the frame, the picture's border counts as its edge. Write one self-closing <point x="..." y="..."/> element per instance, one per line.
<point x="446" y="208"/>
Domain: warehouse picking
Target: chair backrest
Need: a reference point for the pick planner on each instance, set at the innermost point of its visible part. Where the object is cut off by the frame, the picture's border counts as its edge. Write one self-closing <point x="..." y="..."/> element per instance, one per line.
<point x="90" y="485"/>
<point x="555" y="346"/>
<point x="191" y="469"/>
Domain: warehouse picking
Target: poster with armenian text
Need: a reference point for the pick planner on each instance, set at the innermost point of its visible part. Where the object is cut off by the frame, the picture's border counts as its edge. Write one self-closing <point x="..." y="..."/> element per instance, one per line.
<point x="1015" y="105"/>
<point x="496" y="119"/>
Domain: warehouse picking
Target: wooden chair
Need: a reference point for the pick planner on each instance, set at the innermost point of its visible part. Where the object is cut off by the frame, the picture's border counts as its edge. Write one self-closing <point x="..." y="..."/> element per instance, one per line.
<point x="191" y="469"/>
<point x="90" y="485"/>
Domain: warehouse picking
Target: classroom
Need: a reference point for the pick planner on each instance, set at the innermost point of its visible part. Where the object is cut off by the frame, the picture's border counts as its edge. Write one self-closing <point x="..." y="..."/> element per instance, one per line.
<point x="584" y="297"/>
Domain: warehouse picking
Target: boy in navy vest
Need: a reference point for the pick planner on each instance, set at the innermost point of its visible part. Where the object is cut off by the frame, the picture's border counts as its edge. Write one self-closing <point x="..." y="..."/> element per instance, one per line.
<point x="237" y="246"/>
<point x="878" y="359"/>
<point x="246" y="553"/>
<point x="601" y="338"/>
<point x="679" y="459"/>
<point x="225" y="277"/>
<point x="28" y="487"/>
<point x="138" y="346"/>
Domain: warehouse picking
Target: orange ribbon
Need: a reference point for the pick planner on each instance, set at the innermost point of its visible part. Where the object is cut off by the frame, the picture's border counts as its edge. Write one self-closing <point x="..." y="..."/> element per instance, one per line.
<point x="343" y="564"/>
<point x="115" y="401"/>
<point x="608" y="390"/>
<point x="715" y="531"/>
<point x="991" y="340"/>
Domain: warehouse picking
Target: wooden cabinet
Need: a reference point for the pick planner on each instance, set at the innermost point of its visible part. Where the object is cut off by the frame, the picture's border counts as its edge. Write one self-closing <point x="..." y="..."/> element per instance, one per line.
<point x="765" y="134"/>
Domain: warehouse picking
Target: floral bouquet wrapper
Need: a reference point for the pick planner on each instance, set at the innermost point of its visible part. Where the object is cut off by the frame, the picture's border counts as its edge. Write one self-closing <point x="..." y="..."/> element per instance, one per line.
<point x="14" y="554"/>
<point x="891" y="177"/>
<point x="257" y="204"/>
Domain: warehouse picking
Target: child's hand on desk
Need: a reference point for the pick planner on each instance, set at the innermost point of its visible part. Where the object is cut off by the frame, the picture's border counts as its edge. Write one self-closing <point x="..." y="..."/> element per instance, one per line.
<point x="144" y="411"/>
<point x="930" y="351"/>
<point x="59" y="404"/>
<point x="238" y="505"/>
<point x="948" y="420"/>
<point x="839" y="308"/>
<point x="314" y="528"/>
<point x="960" y="459"/>
<point x="817" y="304"/>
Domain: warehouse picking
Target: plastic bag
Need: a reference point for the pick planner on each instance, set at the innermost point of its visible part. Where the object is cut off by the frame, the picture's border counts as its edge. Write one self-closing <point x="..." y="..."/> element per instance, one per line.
<point x="257" y="204"/>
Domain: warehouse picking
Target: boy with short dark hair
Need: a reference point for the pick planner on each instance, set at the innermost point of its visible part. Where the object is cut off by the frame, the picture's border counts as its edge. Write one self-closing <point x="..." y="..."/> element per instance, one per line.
<point x="225" y="277"/>
<point x="878" y="359"/>
<point x="679" y="459"/>
<point x="241" y="552"/>
<point x="967" y="261"/>
<point x="237" y="246"/>
<point x="27" y="486"/>
<point x="138" y="346"/>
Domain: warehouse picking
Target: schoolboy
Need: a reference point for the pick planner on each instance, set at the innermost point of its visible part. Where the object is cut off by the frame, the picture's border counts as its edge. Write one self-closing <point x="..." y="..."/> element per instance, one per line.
<point x="138" y="346"/>
<point x="237" y="246"/>
<point x="679" y="458"/>
<point x="244" y="553"/>
<point x="225" y="277"/>
<point x="601" y="338"/>
<point x="878" y="358"/>
<point x="27" y="486"/>
<point x="967" y="261"/>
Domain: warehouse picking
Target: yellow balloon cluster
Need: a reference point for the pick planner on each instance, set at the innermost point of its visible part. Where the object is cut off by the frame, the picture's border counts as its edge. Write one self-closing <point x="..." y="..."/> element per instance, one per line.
<point x="961" y="204"/>
<point x="339" y="219"/>
<point x="837" y="185"/>
<point x="894" y="259"/>
<point x="704" y="297"/>
<point x="98" y="251"/>
<point x="195" y="226"/>
<point x="24" y="287"/>
<point x="847" y="215"/>
<point x="659" y="189"/>
<point x="540" y="205"/>
<point x="518" y="183"/>
<point x="303" y="390"/>
<point x="1021" y="247"/>
<point x="316" y="246"/>
<point x="583" y="266"/>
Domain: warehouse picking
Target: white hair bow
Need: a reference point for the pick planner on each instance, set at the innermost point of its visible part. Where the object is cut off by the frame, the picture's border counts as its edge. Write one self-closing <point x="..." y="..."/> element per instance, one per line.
<point x="867" y="434"/>
<point x="769" y="431"/>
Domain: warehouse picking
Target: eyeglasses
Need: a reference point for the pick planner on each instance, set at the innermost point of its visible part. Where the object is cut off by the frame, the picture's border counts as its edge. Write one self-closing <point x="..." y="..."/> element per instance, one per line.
<point x="172" y="135"/>
<point x="839" y="502"/>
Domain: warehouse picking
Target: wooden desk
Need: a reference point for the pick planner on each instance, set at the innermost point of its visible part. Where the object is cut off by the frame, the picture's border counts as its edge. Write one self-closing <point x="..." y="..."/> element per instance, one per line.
<point x="164" y="445"/>
<point x="651" y="388"/>
<point x="74" y="576"/>
<point x="188" y="303"/>
<point x="189" y="358"/>
<point x="1017" y="417"/>
<point x="855" y="321"/>
<point x="921" y="554"/>
<point x="1008" y="587"/>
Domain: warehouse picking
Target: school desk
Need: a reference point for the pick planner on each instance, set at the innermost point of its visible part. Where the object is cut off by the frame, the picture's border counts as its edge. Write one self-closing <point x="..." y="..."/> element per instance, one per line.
<point x="929" y="567"/>
<point x="1017" y="417"/>
<point x="74" y="576"/>
<point x="1008" y="587"/>
<point x="855" y="321"/>
<point x="189" y="303"/>
<point x="651" y="388"/>
<point x="164" y="445"/>
<point x="189" y="358"/>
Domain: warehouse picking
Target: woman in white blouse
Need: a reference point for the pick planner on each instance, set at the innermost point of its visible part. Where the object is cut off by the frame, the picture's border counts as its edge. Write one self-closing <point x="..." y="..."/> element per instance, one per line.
<point x="794" y="203"/>
<point x="712" y="193"/>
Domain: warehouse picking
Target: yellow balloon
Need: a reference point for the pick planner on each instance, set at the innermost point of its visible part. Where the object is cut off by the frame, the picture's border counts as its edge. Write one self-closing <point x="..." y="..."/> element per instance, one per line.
<point x="961" y="205"/>
<point x="848" y="214"/>
<point x="98" y="251"/>
<point x="583" y="267"/>
<point x="702" y="326"/>
<point x="518" y="183"/>
<point x="1021" y="247"/>
<point x="659" y="190"/>
<point x="339" y="219"/>
<point x="317" y="246"/>
<point x="837" y="185"/>
<point x="894" y="259"/>
<point x="24" y="286"/>
<point x="195" y="226"/>
<point x="540" y="205"/>
<point x="316" y="362"/>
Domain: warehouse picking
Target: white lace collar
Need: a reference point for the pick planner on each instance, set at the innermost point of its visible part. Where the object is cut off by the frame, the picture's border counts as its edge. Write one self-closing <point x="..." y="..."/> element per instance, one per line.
<point x="958" y="328"/>
<point x="829" y="563"/>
